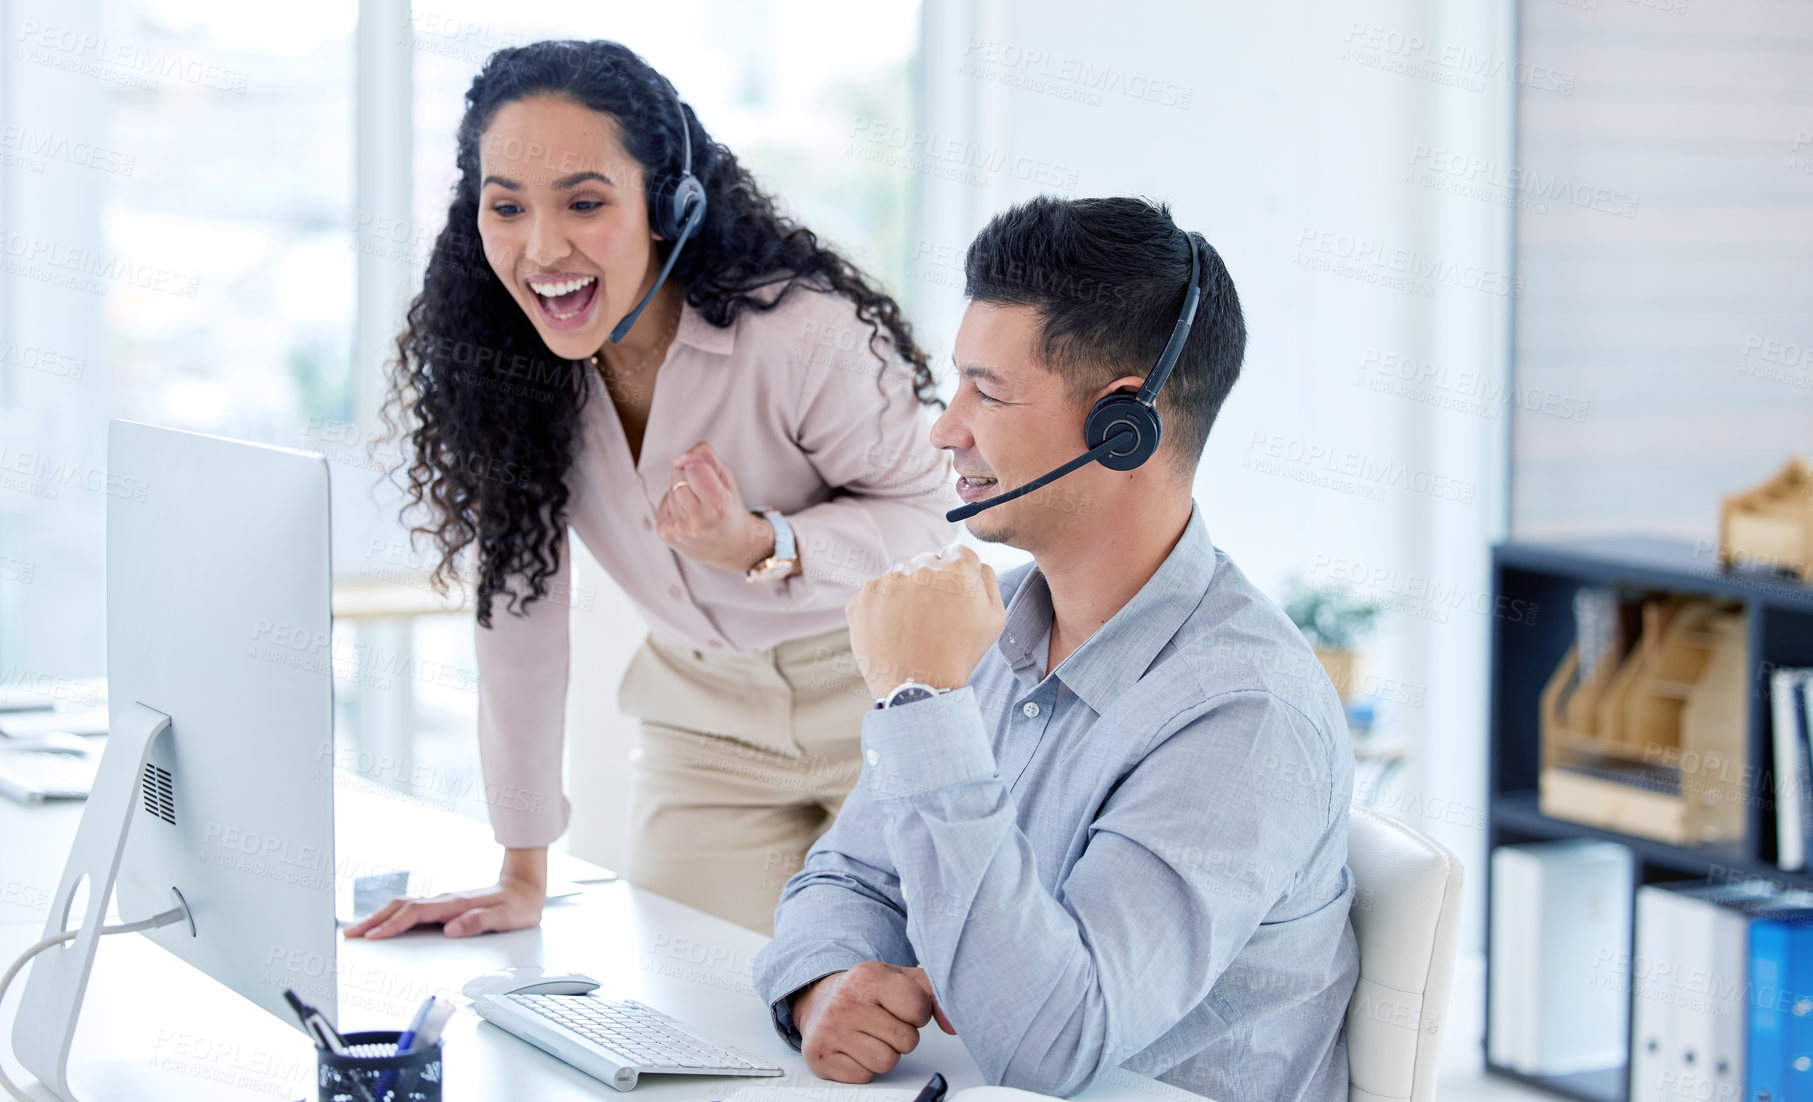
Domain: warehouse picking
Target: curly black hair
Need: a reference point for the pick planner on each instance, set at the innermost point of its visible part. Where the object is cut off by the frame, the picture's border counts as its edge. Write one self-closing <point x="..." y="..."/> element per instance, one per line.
<point x="491" y="414"/>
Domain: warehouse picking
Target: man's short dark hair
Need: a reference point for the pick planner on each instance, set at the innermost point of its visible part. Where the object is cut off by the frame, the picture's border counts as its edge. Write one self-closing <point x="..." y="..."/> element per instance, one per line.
<point x="1107" y="279"/>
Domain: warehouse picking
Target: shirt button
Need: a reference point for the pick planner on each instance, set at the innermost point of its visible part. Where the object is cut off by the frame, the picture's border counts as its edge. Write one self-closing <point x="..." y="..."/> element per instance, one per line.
<point x="1029" y="710"/>
<point x="873" y="757"/>
<point x="674" y="592"/>
<point x="647" y="524"/>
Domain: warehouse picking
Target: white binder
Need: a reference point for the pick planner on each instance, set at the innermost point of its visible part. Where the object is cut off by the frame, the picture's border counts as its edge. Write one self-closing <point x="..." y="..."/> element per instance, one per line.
<point x="1712" y="946"/>
<point x="1564" y="982"/>
<point x="1652" y="1034"/>
<point x="1513" y="949"/>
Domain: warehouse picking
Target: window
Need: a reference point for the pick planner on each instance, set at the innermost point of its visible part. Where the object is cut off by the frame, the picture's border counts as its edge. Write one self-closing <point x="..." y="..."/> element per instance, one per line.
<point x="176" y="231"/>
<point x="782" y="84"/>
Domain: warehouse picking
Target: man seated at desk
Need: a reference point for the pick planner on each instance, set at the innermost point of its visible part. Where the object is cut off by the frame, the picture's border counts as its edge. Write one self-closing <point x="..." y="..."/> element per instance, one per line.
<point x="1111" y="826"/>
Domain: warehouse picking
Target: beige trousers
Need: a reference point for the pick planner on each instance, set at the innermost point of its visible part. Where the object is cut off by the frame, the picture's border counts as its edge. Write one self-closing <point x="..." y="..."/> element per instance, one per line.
<point x="742" y="760"/>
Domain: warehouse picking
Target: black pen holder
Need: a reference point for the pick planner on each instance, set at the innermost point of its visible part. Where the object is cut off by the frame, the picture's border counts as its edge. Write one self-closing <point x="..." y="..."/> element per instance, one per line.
<point x="369" y="1072"/>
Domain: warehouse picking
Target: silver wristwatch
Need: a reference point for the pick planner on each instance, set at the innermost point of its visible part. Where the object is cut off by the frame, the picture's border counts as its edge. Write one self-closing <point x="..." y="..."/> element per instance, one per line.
<point x="908" y="692"/>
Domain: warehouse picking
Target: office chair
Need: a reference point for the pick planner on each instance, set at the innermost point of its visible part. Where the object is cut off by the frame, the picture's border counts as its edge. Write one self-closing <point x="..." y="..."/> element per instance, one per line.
<point x="1406" y="917"/>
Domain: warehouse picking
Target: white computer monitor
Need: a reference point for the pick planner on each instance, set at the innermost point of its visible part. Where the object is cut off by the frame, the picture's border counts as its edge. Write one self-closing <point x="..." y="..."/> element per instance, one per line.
<point x="217" y="781"/>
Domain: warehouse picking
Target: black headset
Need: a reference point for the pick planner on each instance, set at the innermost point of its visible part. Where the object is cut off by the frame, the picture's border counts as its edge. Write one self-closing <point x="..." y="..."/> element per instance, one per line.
<point x="676" y="205"/>
<point x="1123" y="429"/>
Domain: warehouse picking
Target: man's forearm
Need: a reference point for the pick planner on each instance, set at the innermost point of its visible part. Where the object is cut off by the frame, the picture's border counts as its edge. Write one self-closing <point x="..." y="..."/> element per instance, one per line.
<point x="841" y="909"/>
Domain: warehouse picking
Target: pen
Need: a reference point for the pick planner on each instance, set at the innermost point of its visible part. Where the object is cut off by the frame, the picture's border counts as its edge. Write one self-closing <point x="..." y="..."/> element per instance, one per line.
<point x="430" y="1033"/>
<point x="933" y="1090"/>
<point x="316" y="1025"/>
<point x="406" y="1042"/>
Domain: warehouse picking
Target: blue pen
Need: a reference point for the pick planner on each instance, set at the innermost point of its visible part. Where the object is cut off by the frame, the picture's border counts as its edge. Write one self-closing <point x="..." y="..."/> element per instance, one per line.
<point x="415" y="1026"/>
<point x="405" y="1043"/>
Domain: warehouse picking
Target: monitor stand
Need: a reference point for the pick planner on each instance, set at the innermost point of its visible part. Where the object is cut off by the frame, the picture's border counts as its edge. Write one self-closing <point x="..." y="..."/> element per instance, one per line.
<point x="46" y="1025"/>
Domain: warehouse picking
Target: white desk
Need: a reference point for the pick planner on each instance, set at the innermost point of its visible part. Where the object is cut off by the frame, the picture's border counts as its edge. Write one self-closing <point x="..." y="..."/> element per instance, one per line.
<point x="145" y="1010"/>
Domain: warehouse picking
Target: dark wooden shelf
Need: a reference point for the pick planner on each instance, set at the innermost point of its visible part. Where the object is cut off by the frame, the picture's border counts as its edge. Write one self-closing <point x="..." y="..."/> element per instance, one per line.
<point x="1533" y="589"/>
<point x="1676" y="565"/>
<point x="1517" y="813"/>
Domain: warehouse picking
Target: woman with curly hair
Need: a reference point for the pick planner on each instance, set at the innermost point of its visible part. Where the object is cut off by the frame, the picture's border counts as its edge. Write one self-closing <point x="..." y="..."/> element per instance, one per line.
<point x="727" y="413"/>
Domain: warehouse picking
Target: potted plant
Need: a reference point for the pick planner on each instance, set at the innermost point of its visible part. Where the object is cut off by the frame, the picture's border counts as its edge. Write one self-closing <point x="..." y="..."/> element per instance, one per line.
<point x="1335" y="622"/>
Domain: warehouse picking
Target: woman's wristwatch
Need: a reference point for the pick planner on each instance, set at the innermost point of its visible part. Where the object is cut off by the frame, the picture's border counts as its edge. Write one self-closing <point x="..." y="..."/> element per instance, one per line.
<point x="785" y="557"/>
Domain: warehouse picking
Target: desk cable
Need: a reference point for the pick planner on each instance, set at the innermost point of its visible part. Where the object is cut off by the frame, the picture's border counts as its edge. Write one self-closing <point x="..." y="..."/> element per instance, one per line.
<point x="166" y="918"/>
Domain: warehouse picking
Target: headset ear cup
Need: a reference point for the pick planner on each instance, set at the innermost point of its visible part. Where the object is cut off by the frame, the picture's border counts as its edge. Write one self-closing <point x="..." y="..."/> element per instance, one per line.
<point x="684" y="203"/>
<point x="1117" y="411"/>
<point x="689" y="203"/>
<point x="661" y="207"/>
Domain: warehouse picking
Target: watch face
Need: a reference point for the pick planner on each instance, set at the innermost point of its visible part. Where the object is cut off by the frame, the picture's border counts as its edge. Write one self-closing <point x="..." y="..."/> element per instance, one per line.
<point x="908" y="695"/>
<point x="769" y="569"/>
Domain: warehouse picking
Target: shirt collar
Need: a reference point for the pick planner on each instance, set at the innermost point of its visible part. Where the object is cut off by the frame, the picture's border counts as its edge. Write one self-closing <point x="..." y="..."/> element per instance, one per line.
<point x="1120" y="651"/>
<point x="701" y="334"/>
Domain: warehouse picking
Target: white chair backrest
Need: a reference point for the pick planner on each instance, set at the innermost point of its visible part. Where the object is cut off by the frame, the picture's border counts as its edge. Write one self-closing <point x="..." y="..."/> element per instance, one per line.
<point x="1406" y="918"/>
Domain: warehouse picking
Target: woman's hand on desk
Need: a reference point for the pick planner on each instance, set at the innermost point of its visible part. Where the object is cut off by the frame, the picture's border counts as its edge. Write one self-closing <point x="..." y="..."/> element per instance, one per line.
<point x="512" y="903"/>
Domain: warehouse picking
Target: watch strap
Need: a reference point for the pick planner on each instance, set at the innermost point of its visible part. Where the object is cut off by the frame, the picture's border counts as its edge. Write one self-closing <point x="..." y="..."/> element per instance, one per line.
<point x="781" y="564"/>
<point x="783" y="533"/>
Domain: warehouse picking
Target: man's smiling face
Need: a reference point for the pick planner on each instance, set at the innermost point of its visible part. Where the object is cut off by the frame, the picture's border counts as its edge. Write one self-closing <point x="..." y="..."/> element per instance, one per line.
<point x="1011" y="421"/>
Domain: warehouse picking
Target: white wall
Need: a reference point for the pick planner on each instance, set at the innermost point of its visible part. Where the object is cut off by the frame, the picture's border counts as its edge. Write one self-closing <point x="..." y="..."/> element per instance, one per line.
<point x="1662" y="350"/>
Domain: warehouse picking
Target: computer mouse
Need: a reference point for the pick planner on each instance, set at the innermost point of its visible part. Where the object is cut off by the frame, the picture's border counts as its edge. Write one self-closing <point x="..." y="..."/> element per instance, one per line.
<point x="529" y="980"/>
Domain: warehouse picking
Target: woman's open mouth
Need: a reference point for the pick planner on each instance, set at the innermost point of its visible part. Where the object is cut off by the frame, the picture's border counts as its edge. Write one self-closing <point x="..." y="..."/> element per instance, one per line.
<point x="565" y="303"/>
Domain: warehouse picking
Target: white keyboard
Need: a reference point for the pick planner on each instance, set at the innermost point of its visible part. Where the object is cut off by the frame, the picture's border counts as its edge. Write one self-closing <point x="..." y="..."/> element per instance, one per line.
<point x="614" y="1041"/>
<point x="33" y="775"/>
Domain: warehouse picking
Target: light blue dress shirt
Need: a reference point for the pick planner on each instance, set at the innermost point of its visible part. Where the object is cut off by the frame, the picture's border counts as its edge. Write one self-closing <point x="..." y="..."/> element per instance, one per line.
<point x="1136" y="859"/>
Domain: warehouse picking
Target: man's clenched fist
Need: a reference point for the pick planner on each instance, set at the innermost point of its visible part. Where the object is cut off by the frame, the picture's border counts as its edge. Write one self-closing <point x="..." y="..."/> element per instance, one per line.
<point x="930" y="619"/>
<point x="855" y="1025"/>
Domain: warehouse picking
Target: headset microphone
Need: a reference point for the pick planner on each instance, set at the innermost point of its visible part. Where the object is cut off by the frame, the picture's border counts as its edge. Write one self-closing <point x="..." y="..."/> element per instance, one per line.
<point x="1123" y="429"/>
<point x="677" y="208"/>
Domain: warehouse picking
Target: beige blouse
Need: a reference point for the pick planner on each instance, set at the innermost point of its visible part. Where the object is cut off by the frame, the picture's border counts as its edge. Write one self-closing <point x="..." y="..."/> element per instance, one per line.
<point x="789" y="399"/>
